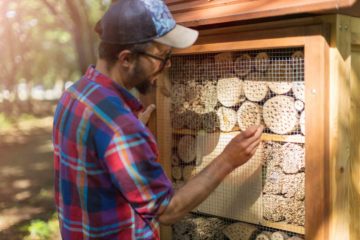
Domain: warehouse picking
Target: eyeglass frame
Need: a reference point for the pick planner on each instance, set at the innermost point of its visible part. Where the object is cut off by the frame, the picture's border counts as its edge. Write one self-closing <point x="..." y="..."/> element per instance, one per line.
<point x="164" y="61"/>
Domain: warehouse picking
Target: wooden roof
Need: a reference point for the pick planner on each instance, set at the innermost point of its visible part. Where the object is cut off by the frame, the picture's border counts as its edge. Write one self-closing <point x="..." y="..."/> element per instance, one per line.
<point x="203" y="12"/>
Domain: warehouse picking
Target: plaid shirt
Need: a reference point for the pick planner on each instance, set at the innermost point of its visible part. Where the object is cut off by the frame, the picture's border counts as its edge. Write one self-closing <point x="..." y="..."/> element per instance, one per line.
<point x="108" y="184"/>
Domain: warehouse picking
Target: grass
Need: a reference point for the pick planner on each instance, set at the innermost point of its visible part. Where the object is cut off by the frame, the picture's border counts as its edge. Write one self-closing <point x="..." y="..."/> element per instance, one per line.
<point x="42" y="230"/>
<point x="6" y="123"/>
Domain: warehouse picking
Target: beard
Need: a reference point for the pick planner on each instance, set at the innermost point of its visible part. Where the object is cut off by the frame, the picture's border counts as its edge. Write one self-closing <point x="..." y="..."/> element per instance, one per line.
<point x="141" y="79"/>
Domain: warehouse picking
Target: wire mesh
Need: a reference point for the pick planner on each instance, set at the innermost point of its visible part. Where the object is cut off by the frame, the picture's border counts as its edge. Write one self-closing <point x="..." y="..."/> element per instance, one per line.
<point x="214" y="97"/>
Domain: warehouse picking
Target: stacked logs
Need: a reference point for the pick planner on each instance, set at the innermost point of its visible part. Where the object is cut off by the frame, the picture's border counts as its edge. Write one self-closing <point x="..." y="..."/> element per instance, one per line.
<point x="183" y="159"/>
<point x="278" y="235"/>
<point x="194" y="227"/>
<point x="240" y="230"/>
<point x="249" y="90"/>
<point x="228" y="92"/>
<point x="284" y="183"/>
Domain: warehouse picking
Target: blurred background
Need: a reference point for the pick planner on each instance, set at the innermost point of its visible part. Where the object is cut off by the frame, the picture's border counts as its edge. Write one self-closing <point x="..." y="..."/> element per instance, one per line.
<point x="45" y="46"/>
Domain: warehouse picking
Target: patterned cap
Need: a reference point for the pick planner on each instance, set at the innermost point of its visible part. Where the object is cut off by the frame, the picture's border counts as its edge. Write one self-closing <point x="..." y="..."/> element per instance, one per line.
<point x="139" y="21"/>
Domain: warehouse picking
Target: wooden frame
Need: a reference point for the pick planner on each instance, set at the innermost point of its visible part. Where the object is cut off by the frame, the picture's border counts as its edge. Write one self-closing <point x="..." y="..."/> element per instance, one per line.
<point x="204" y="12"/>
<point x="314" y="40"/>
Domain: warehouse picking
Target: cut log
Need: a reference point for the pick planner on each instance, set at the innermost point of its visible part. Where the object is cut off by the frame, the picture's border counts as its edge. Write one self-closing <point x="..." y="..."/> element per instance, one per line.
<point x="227" y="117"/>
<point x="255" y="89"/>
<point x="210" y="122"/>
<point x="206" y="68"/>
<point x="281" y="71"/>
<point x="243" y="65"/>
<point x="279" y="87"/>
<point x="299" y="105"/>
<point x="189" y="69"/>
<point x="187" y="149"/>
<point x="263" y="236"/>
<point x="230" y="91"/>
<point x="249" y="114"/>
<point x="200" y="228"/>
<point x="176" y="172"/>
<point x="224" y="57"/>
<point x="293" y="158"/>
<point x="273" y="207"/>
<point x="298" y="55"/>
<point x="302" y="122"/>
<point x="295" y="238"/>
<point x="188" y="172"/>
<point x="224" y="65"/>
<point x="239" y="230"/>
<point x="278" y="235"/>
<point x="292" y="184"/>
<point x="297" y="64"/>
<point x="298" y="88"/>
<point x="279" y="114"/>
<point x="262" y="62"/>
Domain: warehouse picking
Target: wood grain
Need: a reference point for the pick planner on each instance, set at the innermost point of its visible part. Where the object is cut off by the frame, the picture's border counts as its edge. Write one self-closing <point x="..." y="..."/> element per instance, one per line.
<point x="204" y="12"/>
<point x="354" y="191"/>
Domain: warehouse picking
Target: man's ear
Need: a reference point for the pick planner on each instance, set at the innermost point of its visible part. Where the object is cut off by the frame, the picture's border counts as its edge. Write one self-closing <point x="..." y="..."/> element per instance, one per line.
<point x="126" y="58"/>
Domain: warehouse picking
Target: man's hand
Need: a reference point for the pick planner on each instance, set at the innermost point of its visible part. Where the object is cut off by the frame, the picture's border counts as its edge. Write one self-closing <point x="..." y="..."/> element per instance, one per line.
<point x="145" y="116"/>
<point x="242" y="147"/>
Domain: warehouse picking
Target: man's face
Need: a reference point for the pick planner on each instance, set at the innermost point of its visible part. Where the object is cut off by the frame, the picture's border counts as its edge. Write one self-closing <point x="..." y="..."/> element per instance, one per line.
<point x="147" y="67"/>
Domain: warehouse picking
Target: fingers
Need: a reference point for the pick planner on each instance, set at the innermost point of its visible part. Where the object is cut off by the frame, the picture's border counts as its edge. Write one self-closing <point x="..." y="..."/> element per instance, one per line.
<point x="249" y="131"/>
<point x="253" y="147"/>
<point x="145" y="116"/>
<point x="250" y="138"/>
<point x="255" y="137"/>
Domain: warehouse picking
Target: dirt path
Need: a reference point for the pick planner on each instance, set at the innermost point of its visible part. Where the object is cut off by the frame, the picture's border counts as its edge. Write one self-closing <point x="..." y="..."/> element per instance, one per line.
<point x="26" y="177"/>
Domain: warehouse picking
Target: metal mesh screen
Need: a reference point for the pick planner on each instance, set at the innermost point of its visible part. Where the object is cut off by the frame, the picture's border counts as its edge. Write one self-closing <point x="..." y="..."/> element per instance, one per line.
<point x="214" y="97"/>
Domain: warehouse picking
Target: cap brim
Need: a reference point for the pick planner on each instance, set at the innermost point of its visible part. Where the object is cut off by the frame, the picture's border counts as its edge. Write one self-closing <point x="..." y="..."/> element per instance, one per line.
<point x="179" y="37"/>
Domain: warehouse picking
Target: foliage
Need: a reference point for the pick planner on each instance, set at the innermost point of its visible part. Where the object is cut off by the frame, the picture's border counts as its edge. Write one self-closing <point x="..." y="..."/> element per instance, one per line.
<point x="43" y="230"/>
<point x="45" y="41"/>
<point x="5" y="122"/>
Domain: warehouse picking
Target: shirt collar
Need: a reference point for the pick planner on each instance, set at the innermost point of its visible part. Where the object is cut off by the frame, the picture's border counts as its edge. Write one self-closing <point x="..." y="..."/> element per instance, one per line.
<point x="96" y="76"/>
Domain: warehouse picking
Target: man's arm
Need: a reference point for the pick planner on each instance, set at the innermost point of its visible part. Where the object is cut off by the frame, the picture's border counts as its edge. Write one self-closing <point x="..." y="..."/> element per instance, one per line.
<point x="235" y="154"/>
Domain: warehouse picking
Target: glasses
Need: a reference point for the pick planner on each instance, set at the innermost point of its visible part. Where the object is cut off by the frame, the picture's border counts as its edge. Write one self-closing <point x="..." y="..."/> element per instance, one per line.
<point x="165" y="62"/>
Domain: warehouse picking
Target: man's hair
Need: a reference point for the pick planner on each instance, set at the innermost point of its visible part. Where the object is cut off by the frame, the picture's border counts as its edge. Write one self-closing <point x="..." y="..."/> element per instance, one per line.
<point x="109" y="51"/>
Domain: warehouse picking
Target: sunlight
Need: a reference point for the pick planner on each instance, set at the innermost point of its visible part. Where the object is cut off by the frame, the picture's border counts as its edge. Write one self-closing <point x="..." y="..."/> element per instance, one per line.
<point x="22" y="195"/>
<point x="15" y="215"/>
<point x="21" y="184"/>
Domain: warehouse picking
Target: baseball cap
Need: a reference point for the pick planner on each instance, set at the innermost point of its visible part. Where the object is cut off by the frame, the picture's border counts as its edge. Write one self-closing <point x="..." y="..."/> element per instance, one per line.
<point x="139" y="21"/>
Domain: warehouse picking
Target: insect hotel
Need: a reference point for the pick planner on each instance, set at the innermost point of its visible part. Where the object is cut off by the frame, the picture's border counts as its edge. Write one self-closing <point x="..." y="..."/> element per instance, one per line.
<point x="292" y="66"/>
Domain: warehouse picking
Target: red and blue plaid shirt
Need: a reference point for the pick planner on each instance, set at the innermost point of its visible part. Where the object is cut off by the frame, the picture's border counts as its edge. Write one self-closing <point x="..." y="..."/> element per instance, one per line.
<point x="108" y="183"/>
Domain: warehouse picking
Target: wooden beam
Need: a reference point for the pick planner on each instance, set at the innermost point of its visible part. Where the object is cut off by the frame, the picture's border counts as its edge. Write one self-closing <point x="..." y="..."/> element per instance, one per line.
<point x="204" y="12"/>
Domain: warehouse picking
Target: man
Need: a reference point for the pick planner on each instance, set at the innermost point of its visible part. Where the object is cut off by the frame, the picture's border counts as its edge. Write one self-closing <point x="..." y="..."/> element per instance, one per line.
<point x="108" y="184"/>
